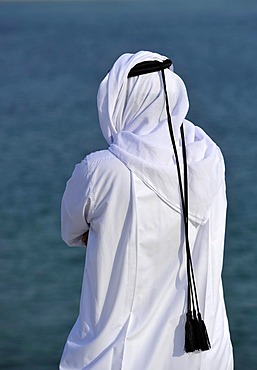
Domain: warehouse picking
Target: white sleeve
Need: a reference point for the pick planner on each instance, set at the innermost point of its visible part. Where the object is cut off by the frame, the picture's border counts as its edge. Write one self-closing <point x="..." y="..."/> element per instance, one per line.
<point x="76" y="205"/>
<point x="218" y="226"/>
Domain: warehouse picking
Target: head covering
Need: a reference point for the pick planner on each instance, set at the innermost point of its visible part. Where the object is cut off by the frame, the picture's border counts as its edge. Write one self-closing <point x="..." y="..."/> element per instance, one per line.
<point x="133" y="120"/>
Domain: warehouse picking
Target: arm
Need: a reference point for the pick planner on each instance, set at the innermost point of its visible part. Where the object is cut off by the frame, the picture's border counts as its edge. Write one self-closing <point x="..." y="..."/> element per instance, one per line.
<point x="75" y="207"/>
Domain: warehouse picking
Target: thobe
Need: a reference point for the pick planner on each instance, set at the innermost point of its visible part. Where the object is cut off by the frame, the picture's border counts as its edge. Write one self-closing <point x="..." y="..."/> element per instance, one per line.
<point x="133" y="300"/>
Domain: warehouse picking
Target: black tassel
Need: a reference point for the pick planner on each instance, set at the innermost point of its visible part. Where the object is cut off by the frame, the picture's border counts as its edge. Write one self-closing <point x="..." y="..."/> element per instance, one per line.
<point x="197" y="345"/>
<point x="204" y="342"/>
<point x="190" y="333"/>
<point x="196" y="336"/>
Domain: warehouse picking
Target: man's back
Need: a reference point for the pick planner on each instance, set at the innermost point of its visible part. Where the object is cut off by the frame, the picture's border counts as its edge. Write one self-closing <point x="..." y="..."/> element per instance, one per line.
<point x="134" y="284"/>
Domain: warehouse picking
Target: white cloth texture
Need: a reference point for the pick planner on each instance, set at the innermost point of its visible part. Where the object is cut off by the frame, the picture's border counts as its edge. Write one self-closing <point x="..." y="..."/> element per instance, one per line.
<point x="133" y="300"/>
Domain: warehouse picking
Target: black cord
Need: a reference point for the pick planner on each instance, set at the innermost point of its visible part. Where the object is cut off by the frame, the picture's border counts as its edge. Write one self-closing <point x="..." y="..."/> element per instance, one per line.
<point x="196" y="336"/>
<point x="192" y="293"/>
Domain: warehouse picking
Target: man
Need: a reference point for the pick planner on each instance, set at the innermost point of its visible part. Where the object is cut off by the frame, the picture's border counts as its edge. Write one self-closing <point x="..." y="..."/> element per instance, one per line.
<point x="154" y="205"/>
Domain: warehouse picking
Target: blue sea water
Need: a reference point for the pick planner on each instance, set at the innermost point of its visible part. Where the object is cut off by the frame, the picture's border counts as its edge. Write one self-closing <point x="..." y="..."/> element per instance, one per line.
<point x="53" y="56"/>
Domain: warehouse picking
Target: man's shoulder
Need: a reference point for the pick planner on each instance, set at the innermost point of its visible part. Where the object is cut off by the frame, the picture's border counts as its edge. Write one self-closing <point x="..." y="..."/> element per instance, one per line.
<point x="98" y="156"/>
<point x="105" y="160"/>
<point x="106" y="171"/>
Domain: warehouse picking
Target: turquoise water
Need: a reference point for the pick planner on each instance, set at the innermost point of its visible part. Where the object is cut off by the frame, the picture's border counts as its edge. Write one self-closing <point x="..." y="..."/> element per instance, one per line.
<point x="52" y="58"/>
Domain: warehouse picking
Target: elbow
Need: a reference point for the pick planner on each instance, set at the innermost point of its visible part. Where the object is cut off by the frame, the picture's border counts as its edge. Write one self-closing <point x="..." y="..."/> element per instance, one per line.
<point x="71" y="240"/>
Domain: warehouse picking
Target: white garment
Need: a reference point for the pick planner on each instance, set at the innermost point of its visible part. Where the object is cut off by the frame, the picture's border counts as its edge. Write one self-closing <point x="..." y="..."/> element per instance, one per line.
<point x="133" y="301"/>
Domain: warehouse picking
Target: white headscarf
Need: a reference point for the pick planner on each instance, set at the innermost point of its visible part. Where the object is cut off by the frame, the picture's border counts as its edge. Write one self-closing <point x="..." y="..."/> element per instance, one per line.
<point x="132" y="115"/>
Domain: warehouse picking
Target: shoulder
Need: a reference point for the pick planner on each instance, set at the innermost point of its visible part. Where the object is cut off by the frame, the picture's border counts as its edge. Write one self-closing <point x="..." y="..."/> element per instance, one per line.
<point x="100" y="169"/>
<point x="106" y="175"/>
<point x="99" y="163"/>
<point x="98" y="157"/>
<point x="103" y="161"/>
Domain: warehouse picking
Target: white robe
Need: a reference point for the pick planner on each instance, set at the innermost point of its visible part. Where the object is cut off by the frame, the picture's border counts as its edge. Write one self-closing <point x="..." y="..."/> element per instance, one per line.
<point x="134" y="286"/>
<point x="133" y="300"/>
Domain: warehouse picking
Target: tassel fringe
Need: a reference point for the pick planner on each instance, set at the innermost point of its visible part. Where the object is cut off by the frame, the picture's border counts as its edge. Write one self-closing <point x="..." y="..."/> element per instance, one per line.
<point x="204" y="341"/>
<point x="196" y="336"/>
